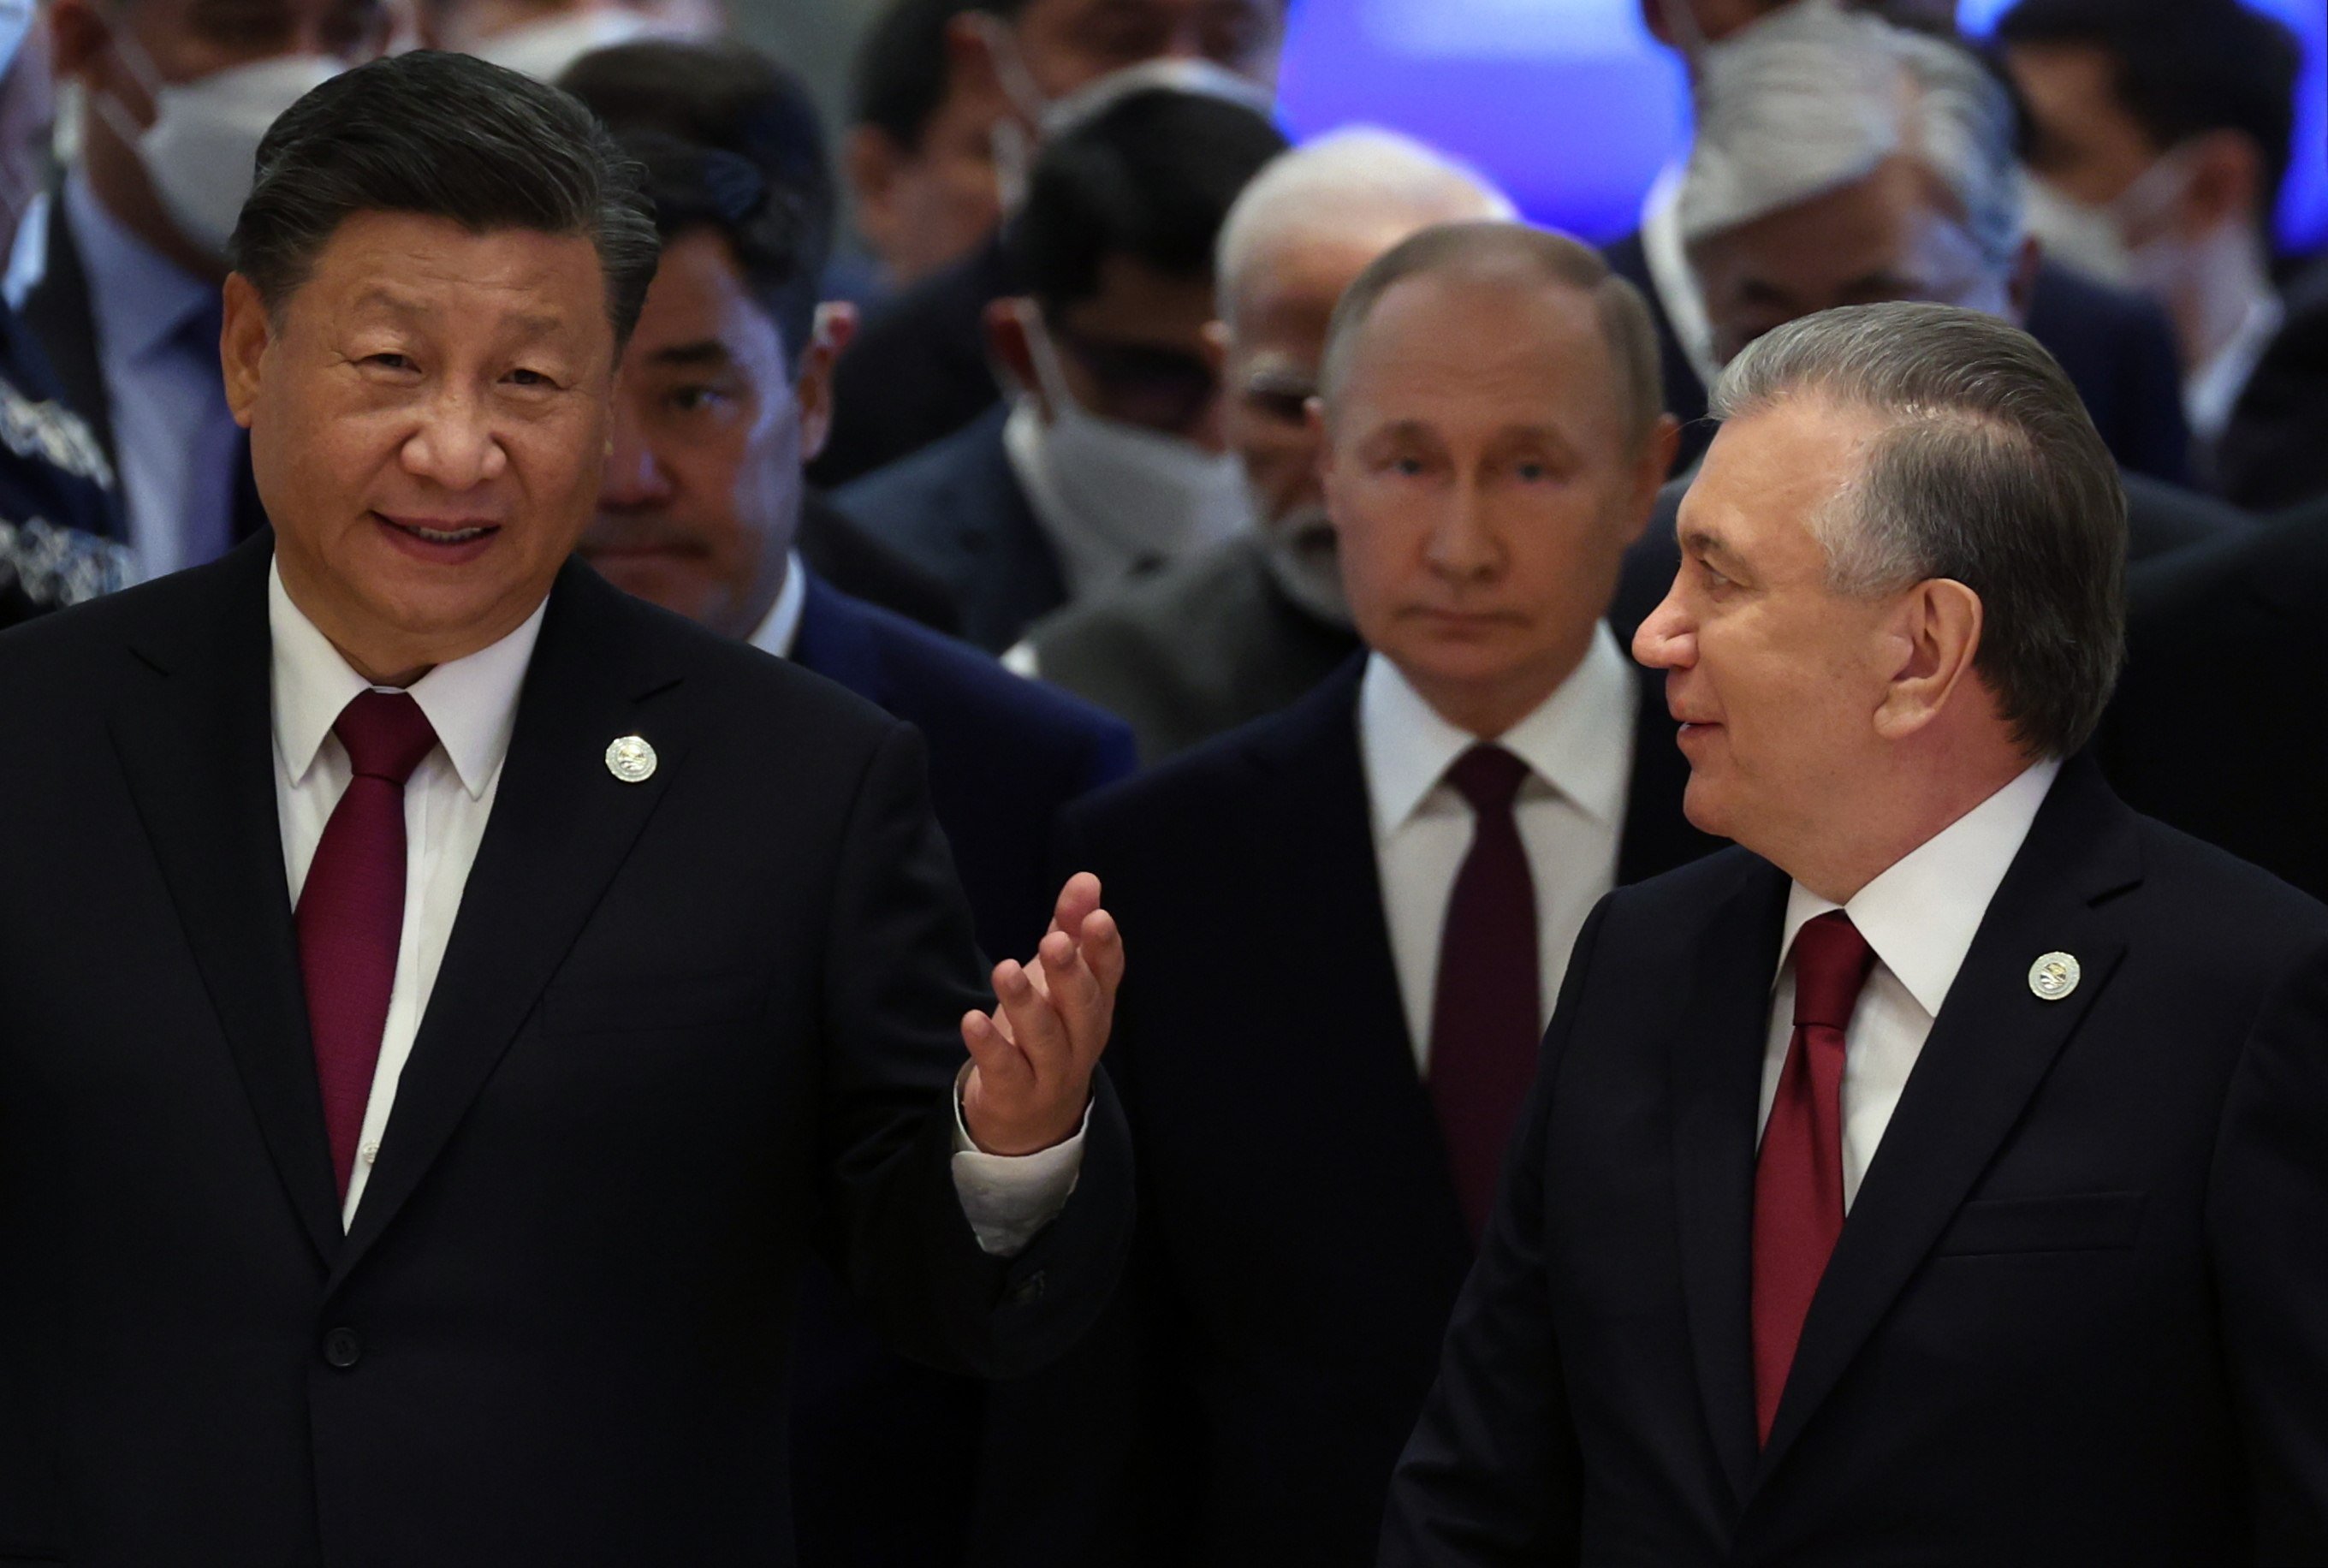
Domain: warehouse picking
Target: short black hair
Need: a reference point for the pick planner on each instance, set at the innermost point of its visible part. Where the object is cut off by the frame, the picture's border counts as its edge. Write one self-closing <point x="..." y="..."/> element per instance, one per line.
<point x="2184" y="67"/>
<point x="902" y="74"/>
<point x="443" y="135"/>
<point x="698" y="188"/>
<point x="725" y="95"/>
<point x="1150" y="177"/>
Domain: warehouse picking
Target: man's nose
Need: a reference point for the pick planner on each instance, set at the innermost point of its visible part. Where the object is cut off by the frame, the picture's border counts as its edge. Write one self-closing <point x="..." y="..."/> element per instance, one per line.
<point x="1462" y="546"/>
<point x="456" y="444"/>
<point x="1666" y="639"/>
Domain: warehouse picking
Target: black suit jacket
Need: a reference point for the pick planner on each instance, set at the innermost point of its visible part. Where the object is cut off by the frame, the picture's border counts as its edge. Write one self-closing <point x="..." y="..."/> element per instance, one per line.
<point x="2272" y="455"/>
<point x="958" y="512"/>
<point x="1301" y="1240"/>
<point x="885" y="1452"/>
<point x="2160" y="520"/>
<point x="684" y="1030"/>
<point x="58" y="313"/>
<point x="2117" y="347"/>
<point x="838" y="550"/>
<point x="2214" y="728"/>
<point x="2078" y="1312"/>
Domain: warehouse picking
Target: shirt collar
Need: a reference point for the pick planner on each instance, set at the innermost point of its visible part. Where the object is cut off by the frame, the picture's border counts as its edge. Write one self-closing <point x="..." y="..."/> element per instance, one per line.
<point x="1921" y="913"/>
<point x="141" y="298"/>
<point x="780" y="628"/>
<point x="2213" y="391"/>
<point x="470" y="702"/>
<point x="1574" y="740"/>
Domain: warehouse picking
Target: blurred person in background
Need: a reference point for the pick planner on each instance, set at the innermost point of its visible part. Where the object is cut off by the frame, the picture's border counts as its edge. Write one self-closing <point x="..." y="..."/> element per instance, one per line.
<point x="1028" y="69"/>
<point x="28" y="129"/>
<point x="724" y="389"/>
<point x="919" y="155"/>
<point x="541" y="38"/>
<point x="1420" y="838"/>
<point x="2160" y="135"/>
<point x="1841" y="161"/>
<point x="1109" y="458"/>
<point x="176" y="95"/>
<point x="1243" y="628"/>
<point x="730" y="95"/>
<point x="2118" y="348"/>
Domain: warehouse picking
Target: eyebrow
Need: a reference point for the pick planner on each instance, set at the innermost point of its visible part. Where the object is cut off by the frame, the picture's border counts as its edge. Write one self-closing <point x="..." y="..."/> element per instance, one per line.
<point x="709" y="351"/>
<point x="528" y="324"/>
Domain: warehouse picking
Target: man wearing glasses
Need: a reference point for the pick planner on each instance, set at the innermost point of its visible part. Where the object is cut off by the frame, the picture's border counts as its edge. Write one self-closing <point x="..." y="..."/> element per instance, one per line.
<point x="1109" y="460"/>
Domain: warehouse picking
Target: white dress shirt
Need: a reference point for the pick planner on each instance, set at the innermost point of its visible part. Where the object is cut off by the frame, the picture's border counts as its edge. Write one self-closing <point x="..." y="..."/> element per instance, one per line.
<point x="1578" y="746"/>
<point x="472" y="704"/>
<point x="2212" y="392"/>
<point x="1919" y="916"/>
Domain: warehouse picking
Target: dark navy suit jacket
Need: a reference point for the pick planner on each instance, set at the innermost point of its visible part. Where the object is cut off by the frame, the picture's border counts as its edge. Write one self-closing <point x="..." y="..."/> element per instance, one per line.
<point x="884" y="1449"/>
<point x="958" y="511"/>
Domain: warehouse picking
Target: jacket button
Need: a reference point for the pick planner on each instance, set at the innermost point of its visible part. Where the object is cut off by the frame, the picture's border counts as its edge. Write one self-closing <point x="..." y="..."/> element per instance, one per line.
<point x="1028" y="1291"/>
<point x="344" y="1348"/>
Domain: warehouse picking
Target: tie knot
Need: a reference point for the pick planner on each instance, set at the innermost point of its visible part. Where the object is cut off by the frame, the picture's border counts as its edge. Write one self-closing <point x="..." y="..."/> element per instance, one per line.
<point x="1831" y="964"/>
<point x="1489" y="777"/>
<point x="386" y="735"/>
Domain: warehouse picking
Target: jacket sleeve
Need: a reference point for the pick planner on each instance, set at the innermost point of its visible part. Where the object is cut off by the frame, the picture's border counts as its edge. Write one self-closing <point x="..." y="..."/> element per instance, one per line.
<point x="902" y="967"/>
<point x="1491" y="1476"/>
<point x="2266" y="1216"/>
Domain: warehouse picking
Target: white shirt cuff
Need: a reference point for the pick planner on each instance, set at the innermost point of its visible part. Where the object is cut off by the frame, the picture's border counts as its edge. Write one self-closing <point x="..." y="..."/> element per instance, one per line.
<point x="1008" y="1198"/>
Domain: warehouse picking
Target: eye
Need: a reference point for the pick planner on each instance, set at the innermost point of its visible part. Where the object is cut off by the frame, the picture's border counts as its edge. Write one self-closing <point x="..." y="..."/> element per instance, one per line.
<point x="1530" y="471"/>
<point x="390" y="361"/>
<point x="696" y="399"/>
<point x="530" y="379"/>
<point x="1411" y="466"/>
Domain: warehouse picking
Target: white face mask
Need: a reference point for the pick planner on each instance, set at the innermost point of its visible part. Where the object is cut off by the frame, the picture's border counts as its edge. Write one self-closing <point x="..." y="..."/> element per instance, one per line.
<point x="202" y="150"/>
<point x="1151" y="495"/>
<point x="542" y="50"/>
<point x="2091" y="235"/>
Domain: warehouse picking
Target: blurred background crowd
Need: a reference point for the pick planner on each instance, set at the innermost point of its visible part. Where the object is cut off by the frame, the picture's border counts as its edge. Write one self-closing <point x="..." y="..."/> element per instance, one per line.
<point x="989" y="337"/>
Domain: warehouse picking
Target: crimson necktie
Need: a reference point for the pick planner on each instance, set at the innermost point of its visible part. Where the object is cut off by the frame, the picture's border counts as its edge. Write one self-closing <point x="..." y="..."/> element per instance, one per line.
<point x="1799" y="1176"/>
<point x="1486" y="1016"/>
<point x="351" y="913"/>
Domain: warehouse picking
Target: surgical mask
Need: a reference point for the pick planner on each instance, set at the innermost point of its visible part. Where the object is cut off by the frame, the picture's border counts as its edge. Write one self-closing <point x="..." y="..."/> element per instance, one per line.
<point x="1305" y="561"/>
<point x="1154" y="495"/>
<point x="2091" y="235"/>
<point x="542" y="50"/>
<point x="202" y="151"/>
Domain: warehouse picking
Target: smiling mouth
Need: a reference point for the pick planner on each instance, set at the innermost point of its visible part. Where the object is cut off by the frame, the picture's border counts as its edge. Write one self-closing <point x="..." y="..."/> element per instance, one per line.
<point x="458" y="534"/>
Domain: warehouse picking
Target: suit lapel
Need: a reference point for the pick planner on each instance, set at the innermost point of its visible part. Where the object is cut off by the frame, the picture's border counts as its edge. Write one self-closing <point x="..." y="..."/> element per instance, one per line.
<point x="199" y="751"/>
<point x="1716" y="1075"/>
<point x="1988" y="1051"/>
<point x="836" y="644"/>
<point x="561" y="826"/>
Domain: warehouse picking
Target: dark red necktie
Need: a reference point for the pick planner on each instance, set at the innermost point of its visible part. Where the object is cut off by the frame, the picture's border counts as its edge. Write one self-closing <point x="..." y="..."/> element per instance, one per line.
<point x="351" y="913"/>
<point x="1486" y="1016"/>
<point x="1799" y="1177"/>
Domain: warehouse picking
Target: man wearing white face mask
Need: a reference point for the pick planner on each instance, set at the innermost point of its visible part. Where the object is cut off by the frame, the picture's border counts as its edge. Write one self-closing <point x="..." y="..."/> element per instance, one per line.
<point x="543" y="41"/>
<point x="2160" y="134"/>
<point x="1109" y="460"/>
<point x="918" y="371"/>
<point x="177" y="94"/>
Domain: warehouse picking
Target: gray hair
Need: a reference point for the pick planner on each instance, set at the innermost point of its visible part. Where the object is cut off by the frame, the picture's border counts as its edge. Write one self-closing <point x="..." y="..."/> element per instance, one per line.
<point x="1989" y="472"/>
<point x="1814" y="99"/>
<point x="1357" y="181"/>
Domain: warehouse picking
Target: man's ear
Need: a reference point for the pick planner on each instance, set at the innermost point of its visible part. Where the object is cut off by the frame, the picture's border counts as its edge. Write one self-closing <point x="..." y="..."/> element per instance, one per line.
<point x="836" y="324"/>
<point x="243" y="342"/>
<point x="77" y="34"/>
<point x="1651" y="468"/>
<point x="1007" y="341"/>
<point x="1939" y="626"/>
<point x="1215" y="336"/>
<point x="2226" y="183"/>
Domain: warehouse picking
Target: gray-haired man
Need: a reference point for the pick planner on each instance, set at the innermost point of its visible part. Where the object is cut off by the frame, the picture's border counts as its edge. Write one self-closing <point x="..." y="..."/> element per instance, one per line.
<point x="2062" y="1068"/>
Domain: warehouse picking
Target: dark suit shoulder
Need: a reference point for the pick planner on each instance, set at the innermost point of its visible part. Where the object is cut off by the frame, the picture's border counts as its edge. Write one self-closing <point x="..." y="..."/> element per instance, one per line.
<point x="2162" y="518"/>
<point x="935" y="496"/>
<point x="2207" y="896"/>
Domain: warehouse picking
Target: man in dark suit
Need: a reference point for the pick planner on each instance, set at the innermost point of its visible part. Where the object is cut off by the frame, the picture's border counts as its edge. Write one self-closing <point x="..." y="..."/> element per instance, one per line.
<point x="450" y="1207"/>
<point x="2210" y="729"/>
<point x="1109" y="461"/>
<point x="1807" y="197"/>
<point x="698" y="511"/>
<point x="921" y="370"/>
<point x="1934" y="1176"/>
<point x="1424" y="833"/>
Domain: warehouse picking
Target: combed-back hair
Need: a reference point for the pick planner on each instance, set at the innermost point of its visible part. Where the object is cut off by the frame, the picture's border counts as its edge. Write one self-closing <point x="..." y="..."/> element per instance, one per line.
<point x="902" y="72"/>
<point x="1987" y="471"/>
<point x="450" y="137"/>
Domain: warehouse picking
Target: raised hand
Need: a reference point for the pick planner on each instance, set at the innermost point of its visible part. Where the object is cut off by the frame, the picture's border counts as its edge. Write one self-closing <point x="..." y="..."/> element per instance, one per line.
<point x="1032" y="1059"/>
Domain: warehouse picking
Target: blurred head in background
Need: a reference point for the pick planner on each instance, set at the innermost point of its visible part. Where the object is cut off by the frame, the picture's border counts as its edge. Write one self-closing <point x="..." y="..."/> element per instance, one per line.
<point x="1839" y="160"/>
<point x="2159" y="136"/>
<point x="920" y="152"/>
<point x="179" y="93"/>
<point x="1494" y="439"/>
<point x="1307" y="225"/>
<point x="540" y="38"/>
<point x="1689" y="25"/>
<point x="726" y="386"/>
<point x="1116" y="425"/>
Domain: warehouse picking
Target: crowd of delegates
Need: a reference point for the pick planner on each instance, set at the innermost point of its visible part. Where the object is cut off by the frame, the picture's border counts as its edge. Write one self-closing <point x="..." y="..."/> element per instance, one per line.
<point x="1324" y="556"/>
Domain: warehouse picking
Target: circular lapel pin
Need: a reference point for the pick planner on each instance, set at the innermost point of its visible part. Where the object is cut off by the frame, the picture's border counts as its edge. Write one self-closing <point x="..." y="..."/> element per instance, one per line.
<point x="631" y="759"/>
<point x="2053" y="976"/>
